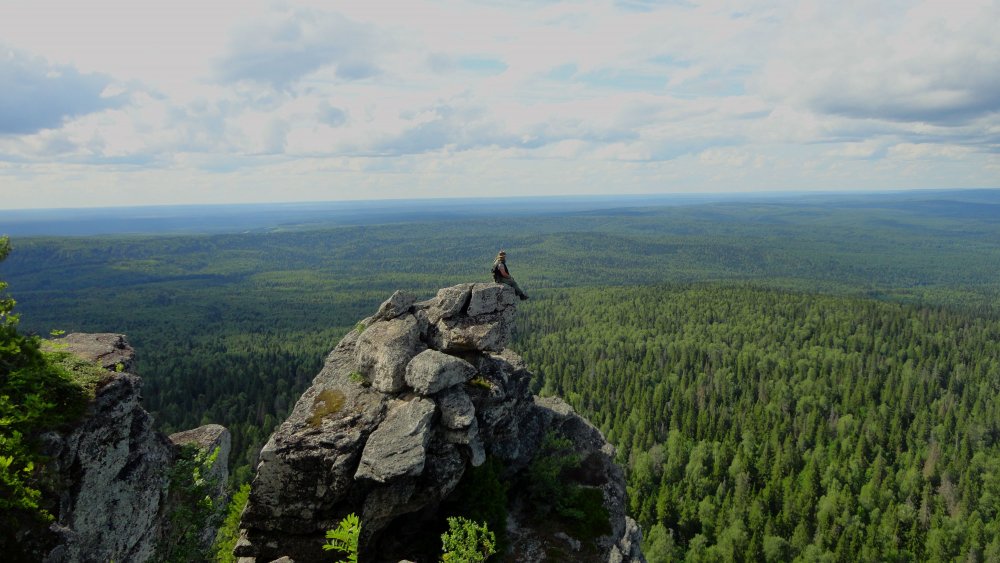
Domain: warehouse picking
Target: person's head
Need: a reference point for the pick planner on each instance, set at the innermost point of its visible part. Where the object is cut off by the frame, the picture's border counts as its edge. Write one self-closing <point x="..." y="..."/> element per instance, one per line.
<point x="502" y="255"/>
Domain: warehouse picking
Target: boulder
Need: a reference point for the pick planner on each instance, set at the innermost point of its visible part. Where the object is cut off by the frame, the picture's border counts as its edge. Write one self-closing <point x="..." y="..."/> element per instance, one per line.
<point x="431" y="371"/>
<point x="449" y="302"/>
<point x="487" y="332"/>
<point x="114" y="502"/>
<point x="399" y="446"/>
<point x="209" y="438"/>
<point x="485" y="298"/>
<point x="384" y="349"/>
<point x="396" y="305"/>
<point x="457" y="410"/>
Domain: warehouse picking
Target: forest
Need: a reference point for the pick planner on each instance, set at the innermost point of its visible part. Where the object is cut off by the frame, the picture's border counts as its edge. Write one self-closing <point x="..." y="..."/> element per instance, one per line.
<point x="783" y="380"/>
<point x="767" y="425"/>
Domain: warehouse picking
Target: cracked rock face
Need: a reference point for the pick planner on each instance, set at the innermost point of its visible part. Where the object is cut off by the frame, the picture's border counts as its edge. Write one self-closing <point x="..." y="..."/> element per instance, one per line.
<point x="438" y="392"/>
<point x="398" y="447"/>
<point x="113" y="466"/>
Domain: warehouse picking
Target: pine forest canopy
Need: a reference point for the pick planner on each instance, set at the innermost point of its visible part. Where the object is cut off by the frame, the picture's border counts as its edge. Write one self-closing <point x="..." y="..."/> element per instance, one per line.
<point x="783" y="379"/>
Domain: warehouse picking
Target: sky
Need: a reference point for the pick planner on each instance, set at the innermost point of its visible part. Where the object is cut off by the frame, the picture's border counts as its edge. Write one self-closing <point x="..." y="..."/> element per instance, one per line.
<point x="136" y="102"/>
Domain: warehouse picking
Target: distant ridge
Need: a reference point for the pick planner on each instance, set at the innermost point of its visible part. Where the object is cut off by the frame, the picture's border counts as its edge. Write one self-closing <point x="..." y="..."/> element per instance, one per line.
<point x="234" y="218"/>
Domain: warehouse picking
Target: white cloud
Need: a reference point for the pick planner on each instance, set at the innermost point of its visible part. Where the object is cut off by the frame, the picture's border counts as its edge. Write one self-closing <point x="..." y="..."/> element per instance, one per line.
<point x="304" y="99"/>
<point x="37" y="95"/>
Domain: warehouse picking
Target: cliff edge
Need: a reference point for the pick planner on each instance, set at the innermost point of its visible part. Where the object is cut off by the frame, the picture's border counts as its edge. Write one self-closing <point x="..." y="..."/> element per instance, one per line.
<point x="109" y="472"/>
<point x="405" y="406"/>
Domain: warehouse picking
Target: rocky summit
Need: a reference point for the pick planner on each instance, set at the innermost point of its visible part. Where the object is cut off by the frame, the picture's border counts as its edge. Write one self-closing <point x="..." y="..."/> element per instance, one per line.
<point x="415" y="398"/>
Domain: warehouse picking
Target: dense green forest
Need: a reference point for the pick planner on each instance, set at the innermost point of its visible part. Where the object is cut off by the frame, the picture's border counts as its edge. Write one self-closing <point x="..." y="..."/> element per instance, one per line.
<point x="825" y="348"/>
<point x="767" y="425"/>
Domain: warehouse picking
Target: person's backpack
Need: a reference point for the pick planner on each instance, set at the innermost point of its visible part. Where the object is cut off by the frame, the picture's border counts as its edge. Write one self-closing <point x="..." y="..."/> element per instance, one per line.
<point x="495" y="270"/>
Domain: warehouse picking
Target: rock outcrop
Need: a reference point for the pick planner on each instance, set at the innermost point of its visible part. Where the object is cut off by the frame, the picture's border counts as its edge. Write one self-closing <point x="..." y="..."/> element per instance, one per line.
<point x="111" y="469"/>
<point x="402" y="408"/>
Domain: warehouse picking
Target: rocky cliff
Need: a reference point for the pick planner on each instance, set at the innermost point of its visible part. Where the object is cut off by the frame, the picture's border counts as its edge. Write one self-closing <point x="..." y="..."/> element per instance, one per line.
<point x="404" y="407"/>
<point x="110" y="470"/>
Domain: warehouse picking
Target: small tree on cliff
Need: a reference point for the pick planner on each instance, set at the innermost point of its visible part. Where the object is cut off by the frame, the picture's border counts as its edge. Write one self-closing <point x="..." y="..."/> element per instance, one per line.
<point x="39" y="391"/>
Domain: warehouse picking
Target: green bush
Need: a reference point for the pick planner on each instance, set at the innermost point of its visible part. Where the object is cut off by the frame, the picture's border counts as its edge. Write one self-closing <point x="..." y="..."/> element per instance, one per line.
<point x="481" y="496"/>
<point x="39" y="391"/>
<point x="345" y="538"/>
<point x="229" y="532"/>
<point x="553" y="494"/>
<point x="193" y="509"/>
<point x="467" y="541"/>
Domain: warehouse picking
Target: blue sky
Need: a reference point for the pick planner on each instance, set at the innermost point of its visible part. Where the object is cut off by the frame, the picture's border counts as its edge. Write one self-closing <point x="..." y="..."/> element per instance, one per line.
<point x="131" y="103"/>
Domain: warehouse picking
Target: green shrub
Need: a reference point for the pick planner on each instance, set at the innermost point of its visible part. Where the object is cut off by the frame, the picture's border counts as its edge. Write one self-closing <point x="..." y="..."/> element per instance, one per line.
<point x="552" y="494"/>
<point x="481" y="496"/>
<point x="345" y="538"/>
<point x="192" y="508"/>
<point x="229" y="532"/>
<point x="467" y="541"/>
<point x="38" y="392"/>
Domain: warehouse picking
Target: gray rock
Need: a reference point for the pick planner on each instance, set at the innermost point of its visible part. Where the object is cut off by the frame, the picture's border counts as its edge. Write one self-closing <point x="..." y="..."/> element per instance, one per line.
<point x="110" y="351"/>
<point x="118" y="466"/>
<point x="208" y="438"/>
<point x="468" y="438"/>
<point x="457" y="410"/>
<point x="488" y="332"/>
<point x="381" y="452"/>
<point x="399" y="446"/>
<point x="114" y="466"/>
<point x="573" y="543"/>
<point x="395" y="306"/>
<point x="488" y="298"/>
<point x="308" y="464"/>
<point x="477" y="452"/>
<point x="629" y="547"/>
<point x="449" y="302"/>
<point x="431" y="371"/>
<point x="384" y="349"/>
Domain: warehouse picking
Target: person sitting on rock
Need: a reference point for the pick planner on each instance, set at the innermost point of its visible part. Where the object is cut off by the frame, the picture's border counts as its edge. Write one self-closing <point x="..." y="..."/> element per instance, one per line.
<point x="502" y="275"/>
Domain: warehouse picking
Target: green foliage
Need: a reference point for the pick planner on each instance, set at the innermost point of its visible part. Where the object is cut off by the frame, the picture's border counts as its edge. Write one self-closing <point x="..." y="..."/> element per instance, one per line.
<point x="544" y="481"/>
<point x="231" y="328"/>
<point x="553" y="493"/>
<point x="345" y="538"/>
<point x="357" y="377"/>
<point x="467" y="541"/>
<point x="193" y="510"/>
<point x="765" y="425"/>
<point x="481" y="382"/>
<point x="38" y="392"/>
<point x="481" y="496"/>
<point x="229" y="531"/>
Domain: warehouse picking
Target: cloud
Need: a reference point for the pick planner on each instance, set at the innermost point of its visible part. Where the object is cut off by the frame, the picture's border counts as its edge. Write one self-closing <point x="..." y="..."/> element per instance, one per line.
<point x="936" y="62"/>
<point x="37" y="95"/>
<point x="288" y="46"/>
<point x="561" y="96"/>
<point x="458" y="125"/>
<point x="332" y="116"/>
